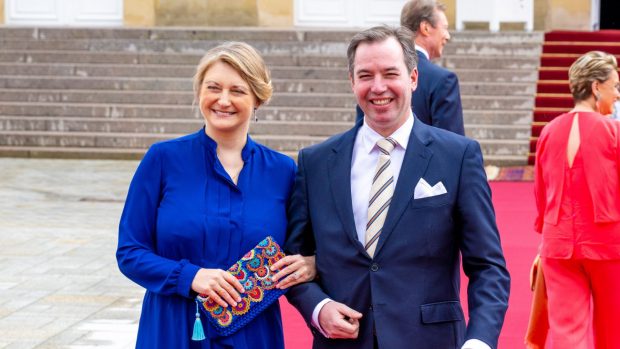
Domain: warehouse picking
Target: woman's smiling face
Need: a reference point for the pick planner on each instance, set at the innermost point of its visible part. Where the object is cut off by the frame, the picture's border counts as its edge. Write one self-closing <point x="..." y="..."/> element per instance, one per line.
<point x="226" y="100"/>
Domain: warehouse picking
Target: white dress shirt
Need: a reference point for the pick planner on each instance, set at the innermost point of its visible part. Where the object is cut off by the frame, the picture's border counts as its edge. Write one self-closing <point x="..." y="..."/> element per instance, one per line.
<point x="423" y="50"/>
<point x="363" y="164"/>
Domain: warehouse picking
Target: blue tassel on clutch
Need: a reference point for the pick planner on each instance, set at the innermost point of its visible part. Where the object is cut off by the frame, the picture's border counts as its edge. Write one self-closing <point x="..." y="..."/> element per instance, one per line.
<point x="199" y="333"/>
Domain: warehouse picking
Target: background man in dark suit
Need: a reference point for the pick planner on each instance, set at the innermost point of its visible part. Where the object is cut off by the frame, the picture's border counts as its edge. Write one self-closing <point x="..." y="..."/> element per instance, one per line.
<point x="437" y="100"/>
<point x="388" y="242"/>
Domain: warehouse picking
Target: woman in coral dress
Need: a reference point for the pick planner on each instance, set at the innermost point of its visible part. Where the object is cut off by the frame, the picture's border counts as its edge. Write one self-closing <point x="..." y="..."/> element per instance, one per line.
<point x="577" y="189"/>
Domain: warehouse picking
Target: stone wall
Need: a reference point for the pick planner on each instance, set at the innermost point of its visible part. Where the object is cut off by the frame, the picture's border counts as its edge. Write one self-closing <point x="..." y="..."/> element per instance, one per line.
<point x="263" y="13"/>
<point x="573" y="15"/>
<point x="275" y="13"/>
<point x="138" y="13"/>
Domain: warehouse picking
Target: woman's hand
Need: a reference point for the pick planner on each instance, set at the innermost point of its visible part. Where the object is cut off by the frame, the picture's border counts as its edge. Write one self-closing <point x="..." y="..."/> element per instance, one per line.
<point x="218" y="285"/>
<point x="295" y="269"/>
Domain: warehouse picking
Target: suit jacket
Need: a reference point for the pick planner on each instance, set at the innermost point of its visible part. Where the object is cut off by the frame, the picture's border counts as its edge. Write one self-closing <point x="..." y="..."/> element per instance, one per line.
<point x="409" y="291"/>
<point x="437" y="99"/>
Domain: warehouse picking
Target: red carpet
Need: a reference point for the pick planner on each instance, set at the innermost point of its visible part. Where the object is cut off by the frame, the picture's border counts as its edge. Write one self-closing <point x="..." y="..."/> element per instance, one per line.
<point x="560" y="50"/>
<point x="514" y="206"/>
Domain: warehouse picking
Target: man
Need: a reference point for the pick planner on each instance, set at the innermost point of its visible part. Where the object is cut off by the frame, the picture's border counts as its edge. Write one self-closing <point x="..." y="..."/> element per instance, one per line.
<point x="387" y="242"/>
<point x="437" y="100"/>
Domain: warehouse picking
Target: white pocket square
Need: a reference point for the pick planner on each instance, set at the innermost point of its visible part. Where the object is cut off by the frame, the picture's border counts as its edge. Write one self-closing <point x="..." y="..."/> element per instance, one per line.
<point x="424" y="190"/>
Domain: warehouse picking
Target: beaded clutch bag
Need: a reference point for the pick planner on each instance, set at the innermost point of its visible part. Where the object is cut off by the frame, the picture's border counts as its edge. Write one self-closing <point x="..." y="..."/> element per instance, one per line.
<point x="253" y="272"/>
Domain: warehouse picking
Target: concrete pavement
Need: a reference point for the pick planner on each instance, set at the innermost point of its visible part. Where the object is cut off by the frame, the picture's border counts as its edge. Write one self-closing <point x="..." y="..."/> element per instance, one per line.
<point x="59" y="283"/>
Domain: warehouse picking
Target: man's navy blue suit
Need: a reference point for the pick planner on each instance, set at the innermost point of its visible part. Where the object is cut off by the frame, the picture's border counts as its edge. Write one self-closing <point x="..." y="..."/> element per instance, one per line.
<point x="437" y="99"/>
<point x="409" y="292"/>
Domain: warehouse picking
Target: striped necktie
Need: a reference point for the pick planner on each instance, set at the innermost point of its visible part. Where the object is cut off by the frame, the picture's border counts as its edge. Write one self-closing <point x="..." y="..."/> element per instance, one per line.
<point x="381" y="193"/>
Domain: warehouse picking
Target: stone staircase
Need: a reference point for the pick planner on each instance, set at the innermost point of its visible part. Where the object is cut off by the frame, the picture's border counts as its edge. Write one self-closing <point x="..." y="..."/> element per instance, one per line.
<point x="110" y="93"/>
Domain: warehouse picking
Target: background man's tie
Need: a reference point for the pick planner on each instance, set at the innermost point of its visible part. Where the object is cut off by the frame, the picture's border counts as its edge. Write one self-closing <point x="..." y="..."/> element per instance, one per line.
<point x="380" y="194"/>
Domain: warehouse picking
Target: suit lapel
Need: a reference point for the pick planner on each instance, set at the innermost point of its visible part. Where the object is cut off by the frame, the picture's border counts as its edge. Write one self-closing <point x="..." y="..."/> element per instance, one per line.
<point x="339" y="177"/>
<point x="415" y="162"/>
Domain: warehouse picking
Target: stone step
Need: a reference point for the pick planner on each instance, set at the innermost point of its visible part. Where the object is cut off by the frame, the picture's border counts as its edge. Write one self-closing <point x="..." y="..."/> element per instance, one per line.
<point x="163" y="126"/>
<point x="498" y="132"/>
<point x="500" y="160"/>
<point x="491" y="75"/>
<point x="241" y="33"/>
<point x="159" y="71"/>
<point x="329" y="48"/>
<point x="156" y="70"/>
<point x="471" y="116"/>
<point x="531" y="49"/>
<point x="156" y="84"/>
<point x="497" y="102"/>
<point x="118" y="111"/>
<point x="176" y="126"/>
<point x="283" y="143"/>
<point x="267" y="48"/>
<point x="106" y="97"/>
<point x="505" y="147"/>
<point x="311" y="100"/>
<point x="164" y="58"/>
<point x="473" y="88"/>
<point x="498" y="117"/>
<point x="501" y="38"/>
<point x="71" y="152"/>
<point x="170" y="33"/>
<point x="137" y="154"/>
<point x="185" y="84"/>
<point x="284" y="99"/>
<point x="489" y="62"/>
<point x="113" y="83"/>
<point x="132" y="140"/>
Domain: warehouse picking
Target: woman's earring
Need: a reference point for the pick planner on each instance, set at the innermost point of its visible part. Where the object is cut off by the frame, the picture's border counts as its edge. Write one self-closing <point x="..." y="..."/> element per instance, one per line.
<point x="255" y="117"/>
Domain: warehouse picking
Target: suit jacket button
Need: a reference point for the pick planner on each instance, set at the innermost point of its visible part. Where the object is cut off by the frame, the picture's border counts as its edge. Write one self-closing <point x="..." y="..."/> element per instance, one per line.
<point x="374" y="267"/>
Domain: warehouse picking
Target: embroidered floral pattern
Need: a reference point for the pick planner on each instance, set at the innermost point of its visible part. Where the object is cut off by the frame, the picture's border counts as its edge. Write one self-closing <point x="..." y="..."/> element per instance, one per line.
<point x="253" y="272"/>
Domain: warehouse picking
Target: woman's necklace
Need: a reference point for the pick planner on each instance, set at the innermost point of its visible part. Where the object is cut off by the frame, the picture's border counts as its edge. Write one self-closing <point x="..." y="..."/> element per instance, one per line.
<point x="233" y="170"/>
<point x="232" y="163"/>
<point x="235" y="177"/>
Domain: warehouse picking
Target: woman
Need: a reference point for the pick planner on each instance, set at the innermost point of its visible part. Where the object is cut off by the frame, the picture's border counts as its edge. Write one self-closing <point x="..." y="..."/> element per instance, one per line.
<point x="200" y="202"/>
<point x="577" y="190"/>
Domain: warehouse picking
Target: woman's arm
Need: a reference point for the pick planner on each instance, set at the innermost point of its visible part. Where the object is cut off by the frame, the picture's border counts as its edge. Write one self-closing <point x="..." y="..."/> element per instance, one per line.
<point x="136" y="253"/>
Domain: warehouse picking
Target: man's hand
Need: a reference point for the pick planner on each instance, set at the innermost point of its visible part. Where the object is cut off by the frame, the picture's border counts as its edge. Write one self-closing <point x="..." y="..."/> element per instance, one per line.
<point x="294" y="269"/>
<point x="339" y="321"/>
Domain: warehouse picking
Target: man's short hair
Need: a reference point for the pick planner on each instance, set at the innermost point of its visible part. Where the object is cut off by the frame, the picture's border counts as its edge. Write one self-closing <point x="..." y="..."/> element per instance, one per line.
<point x="417" y="11"/>
<point x="381" y="33"/>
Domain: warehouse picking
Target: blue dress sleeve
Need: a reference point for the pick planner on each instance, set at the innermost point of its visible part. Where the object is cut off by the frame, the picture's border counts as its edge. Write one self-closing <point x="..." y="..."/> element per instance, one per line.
<point x="137" y="240"/>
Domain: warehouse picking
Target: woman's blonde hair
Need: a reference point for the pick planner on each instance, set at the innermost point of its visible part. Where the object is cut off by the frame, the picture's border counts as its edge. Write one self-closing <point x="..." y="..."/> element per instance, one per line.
<point x="592" y="66"/>
<point x="245" y="60"/>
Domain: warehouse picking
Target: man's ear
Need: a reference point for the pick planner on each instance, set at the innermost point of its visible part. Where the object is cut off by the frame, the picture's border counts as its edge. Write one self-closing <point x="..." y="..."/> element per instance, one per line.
<point x="424" y="28"/>
<point x="414" y="79"/>
<point x="351" y="80"/>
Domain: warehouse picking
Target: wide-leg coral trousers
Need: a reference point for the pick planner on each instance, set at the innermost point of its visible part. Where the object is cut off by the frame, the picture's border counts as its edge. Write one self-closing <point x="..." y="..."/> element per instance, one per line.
<point x="583" y="294"/>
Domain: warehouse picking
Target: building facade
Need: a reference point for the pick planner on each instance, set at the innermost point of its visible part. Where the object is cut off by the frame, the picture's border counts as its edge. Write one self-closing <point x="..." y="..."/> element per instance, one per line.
<point x="544" y="14"/>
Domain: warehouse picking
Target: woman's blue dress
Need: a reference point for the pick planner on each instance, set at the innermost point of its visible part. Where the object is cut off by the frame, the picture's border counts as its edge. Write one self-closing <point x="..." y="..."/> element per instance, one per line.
<point x="183" y="212"/>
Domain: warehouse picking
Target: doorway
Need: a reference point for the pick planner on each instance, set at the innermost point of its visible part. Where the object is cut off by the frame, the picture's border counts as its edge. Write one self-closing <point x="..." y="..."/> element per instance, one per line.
<point x="610" y="18"/>
<point x="347" y="13"/>
<point x="64" y="12"/>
